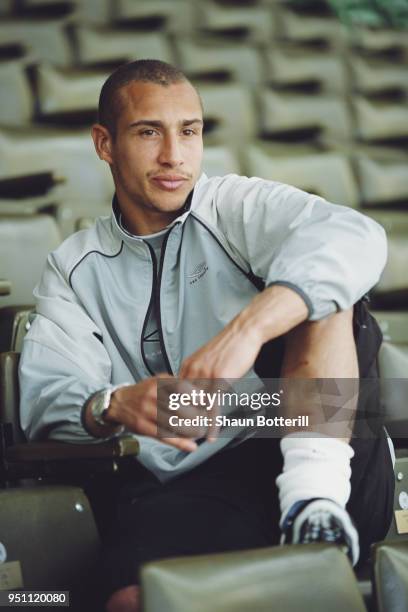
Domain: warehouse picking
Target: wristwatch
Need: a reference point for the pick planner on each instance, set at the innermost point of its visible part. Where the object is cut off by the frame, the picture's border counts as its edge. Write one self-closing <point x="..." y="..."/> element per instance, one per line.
<point x="100" y="404"/>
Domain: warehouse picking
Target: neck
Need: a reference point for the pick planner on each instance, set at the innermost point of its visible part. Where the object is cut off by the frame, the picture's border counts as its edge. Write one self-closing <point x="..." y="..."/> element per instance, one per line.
<point x="142" y="221"/>
<point x="145" y="225"/>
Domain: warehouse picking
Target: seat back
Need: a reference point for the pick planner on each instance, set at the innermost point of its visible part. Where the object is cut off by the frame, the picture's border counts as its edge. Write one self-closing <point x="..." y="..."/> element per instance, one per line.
<point x="259" y="580"/>
<point x="51" y="541"/>
<point x="15" y="321"/>
<point x="391" y="576"/>
<point x="23" y="265"/>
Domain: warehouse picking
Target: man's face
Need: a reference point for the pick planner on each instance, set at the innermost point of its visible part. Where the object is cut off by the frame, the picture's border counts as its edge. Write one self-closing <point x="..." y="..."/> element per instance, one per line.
<point x="157" y="151"/>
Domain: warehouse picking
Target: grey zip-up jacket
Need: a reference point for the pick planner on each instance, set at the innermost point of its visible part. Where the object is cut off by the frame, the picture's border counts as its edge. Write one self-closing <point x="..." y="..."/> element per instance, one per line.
<point x="95" y="292"/>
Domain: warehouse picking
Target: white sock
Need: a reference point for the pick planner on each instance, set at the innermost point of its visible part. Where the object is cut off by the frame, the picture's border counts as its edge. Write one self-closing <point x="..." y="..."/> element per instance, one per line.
<point x="313" y="467"/>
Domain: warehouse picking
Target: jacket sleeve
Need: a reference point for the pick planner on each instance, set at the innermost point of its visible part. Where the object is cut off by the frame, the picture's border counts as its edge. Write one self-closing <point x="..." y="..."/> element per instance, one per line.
<point x="62" y="363"/>
<point x="330" y="254"/>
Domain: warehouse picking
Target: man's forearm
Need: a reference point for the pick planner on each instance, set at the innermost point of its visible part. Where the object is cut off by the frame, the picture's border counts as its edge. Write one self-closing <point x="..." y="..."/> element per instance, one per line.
<point x="273" y="312"/>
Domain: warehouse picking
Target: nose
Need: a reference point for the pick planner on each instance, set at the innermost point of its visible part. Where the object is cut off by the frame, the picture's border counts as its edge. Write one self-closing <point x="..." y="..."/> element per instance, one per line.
<point x="170" y="152"/>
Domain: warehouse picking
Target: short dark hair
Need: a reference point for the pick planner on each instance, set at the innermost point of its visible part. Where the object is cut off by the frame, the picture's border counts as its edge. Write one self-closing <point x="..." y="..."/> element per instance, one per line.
<point x="146" y="70"/>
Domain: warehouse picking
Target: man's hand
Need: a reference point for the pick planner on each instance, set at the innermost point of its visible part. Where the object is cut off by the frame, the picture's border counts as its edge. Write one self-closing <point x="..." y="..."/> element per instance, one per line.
<point x="136" y="407"/>
<point x="232" y="352"/>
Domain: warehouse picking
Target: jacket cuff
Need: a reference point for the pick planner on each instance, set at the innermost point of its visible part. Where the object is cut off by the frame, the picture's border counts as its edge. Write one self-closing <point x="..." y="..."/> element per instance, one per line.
<point x="299" y="291"/>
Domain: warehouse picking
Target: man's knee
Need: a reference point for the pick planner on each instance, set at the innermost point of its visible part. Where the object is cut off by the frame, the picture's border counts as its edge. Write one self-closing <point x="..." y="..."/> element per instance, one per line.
<point x="124" y="600"/>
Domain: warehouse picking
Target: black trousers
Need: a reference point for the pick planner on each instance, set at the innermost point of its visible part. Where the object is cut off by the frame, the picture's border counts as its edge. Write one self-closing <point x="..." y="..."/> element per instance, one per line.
<point x="230" y="503"/>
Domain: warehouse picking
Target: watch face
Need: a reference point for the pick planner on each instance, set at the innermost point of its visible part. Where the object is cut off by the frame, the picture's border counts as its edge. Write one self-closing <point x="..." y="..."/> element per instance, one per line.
<point x="99" y="407"/>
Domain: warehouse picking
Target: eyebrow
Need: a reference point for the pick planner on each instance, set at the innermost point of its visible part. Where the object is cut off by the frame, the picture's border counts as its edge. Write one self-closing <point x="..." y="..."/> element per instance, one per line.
<point x="160" y="124"/>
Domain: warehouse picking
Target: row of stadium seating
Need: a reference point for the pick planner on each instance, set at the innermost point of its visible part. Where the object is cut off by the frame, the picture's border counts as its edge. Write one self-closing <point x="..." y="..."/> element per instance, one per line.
<point x="54" y="96"/>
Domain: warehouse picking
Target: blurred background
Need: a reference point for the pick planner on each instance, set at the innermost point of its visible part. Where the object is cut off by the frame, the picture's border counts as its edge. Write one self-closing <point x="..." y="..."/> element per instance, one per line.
<point x="308" y="92"/>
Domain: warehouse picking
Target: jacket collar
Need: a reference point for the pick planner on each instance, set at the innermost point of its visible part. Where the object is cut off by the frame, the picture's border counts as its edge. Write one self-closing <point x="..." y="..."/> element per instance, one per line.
<point x="185" y="211"/>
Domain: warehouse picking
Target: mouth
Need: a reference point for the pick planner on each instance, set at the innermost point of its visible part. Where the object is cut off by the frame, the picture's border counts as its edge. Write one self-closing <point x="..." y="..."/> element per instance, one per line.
<point x="169" y="182"/>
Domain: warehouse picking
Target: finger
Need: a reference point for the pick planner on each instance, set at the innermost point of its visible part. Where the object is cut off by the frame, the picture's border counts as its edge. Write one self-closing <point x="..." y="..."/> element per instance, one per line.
<point x="148" y="428"/>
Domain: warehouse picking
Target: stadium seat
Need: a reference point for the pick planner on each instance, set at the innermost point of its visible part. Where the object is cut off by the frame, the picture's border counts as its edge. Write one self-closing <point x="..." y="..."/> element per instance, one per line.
<point x="393" y="364"/>
<point x="16" y="98"/>
<point x="289" y="112"/>
<point x="46" y="39"/>
<point x="71" y="214"/>
<point x="25" y="242"/>
<point x="102" y="45"/>
<point x="382" y="181"/>
<point x="306" y="29"/>
<point x="373" y="76"/>
<point x="60" y="91"/>
<point x="21" y="459"/>
<point x="379" y="40"/>
<point x="15" y="321"/>
<point x="70" y="154"/>
<point x="326" y="174"/>
<point x="289" y="578"/>
<point x="254" y="21"/>
<point x="380" y="120"/>
<point x="95" y="12"/>
<point x="219" y="160"/>
<point x="290" y="65"/>
<point x="176" y="16"/>
<point x="41" y="554"/>
<point x="229" y="112"/>
<point x="394" y="325"/>
<point x="206" y="56"/>
<point x="391" y="576"/>
<point x="392" y="289"/>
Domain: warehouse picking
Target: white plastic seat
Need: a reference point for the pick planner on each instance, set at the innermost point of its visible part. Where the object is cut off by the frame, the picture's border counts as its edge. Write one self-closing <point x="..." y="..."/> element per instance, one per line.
<point x="68" y="91"/>
<point x="395" y="275"/>
<point x="289" y="65"/>
<point x="394" y="325"/>
<point x="46" y="39"/>
<point x="71" y="214"/>
<point x="219" y="160"/>
<point x="178" y="14"/>
<point x="25" y="242"/>
<point x="231" y="107"/>
<point x="290" y="112"/>
<point x="203" y="56"/>
<point x="382" y="181"/>
<point x="16" y="99"/>
<point x="326" y="174"/>
<point x="98" y="45"/>
<point x="376" y="121"/>
<point x="300" y="28"/>
<point x="95" y="12"/>
<point x="379" y="39"/>
<point x="256" y="20"/>
<point x="393" y="366"/>
<point x="69" y="154"/>
<point x="373" y="76"/>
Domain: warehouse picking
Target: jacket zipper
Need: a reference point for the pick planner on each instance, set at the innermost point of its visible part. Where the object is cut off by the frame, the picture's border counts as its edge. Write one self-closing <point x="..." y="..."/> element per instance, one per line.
<point x="155" y="300"/>
<point x="149" y="308"/>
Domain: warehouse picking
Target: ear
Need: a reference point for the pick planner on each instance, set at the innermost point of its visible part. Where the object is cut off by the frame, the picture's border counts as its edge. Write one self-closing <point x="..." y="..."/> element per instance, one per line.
<point x="103" y="142"/>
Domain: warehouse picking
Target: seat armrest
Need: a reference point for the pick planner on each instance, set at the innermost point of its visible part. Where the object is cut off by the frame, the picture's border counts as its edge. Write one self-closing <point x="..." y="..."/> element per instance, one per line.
<point x="63" y="451"/>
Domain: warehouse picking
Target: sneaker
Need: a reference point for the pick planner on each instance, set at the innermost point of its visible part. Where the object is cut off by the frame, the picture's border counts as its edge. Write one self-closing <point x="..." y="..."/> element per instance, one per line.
<point x="321" y="520"/>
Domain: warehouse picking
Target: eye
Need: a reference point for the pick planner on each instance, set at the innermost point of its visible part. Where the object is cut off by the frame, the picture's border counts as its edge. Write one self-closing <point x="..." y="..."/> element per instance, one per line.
<point x="148" y="132"/>
<point x="188" y="132"/>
